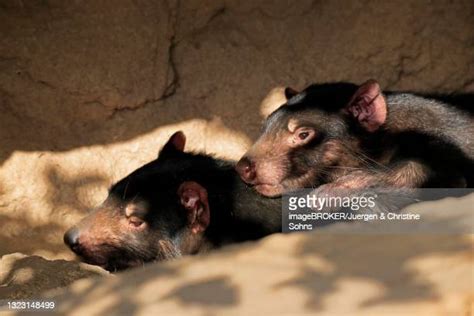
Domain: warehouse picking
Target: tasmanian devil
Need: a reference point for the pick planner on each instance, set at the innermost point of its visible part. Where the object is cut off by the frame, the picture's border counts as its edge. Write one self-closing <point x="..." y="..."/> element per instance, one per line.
<point x="179" y="204"/>
<point x="340" y="135"/>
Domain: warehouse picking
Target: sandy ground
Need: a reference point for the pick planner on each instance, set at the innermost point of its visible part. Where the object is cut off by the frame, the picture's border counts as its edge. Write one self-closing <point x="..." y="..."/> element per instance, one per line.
<point x="332" y="272"/>
<point x="90" y="91"/>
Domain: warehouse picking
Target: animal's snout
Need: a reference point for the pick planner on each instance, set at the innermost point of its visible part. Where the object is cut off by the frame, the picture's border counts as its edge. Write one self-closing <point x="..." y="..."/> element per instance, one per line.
<point x="246" y="169"/>
<point x="71" y="239"/>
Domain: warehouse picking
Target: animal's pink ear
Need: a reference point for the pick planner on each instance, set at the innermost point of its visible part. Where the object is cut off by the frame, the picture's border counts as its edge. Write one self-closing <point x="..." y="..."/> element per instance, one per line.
<point x="194" y="199"/>
<point x="176" y="142"/>
<point x="368" y="106"/>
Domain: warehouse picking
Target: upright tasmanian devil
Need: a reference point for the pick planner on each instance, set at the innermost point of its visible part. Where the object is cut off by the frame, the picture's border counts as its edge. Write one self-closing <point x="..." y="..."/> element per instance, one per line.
<point x="346" y="136"/>
<point x="179" y="204"/>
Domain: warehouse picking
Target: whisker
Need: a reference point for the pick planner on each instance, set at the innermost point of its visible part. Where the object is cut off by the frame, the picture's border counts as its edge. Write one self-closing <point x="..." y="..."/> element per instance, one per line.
<point x="133" y="200"/>
<point x="345" y="167"/>
<point x="125" y="191"/>
<point x="366" y="159"/>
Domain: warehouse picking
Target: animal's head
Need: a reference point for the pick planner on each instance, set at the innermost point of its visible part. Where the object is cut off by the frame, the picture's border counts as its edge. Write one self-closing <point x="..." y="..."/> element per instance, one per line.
<point x="306" y="140"/>
<point x="155" y="213"/>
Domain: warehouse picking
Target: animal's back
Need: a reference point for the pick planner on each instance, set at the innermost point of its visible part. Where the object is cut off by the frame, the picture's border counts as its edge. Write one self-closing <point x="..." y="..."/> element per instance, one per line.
<point x="408" y="112"/>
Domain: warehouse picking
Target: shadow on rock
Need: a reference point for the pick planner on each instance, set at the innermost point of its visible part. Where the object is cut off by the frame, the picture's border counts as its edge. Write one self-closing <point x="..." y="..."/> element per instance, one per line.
<point x="24" y="276"/>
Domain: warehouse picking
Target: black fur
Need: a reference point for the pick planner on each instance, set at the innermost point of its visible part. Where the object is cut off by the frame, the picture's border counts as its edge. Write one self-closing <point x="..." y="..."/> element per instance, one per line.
<point x="419" y="127"/>
<point x="237" y="213"/>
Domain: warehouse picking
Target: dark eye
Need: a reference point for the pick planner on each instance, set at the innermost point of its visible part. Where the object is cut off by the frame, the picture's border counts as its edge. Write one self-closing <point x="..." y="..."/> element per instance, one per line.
<point x="303" y="135"/>
<point x="135" y="221"/>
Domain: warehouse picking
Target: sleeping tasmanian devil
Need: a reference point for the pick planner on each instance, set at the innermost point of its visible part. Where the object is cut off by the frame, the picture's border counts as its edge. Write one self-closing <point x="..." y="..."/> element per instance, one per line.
<point x="346" y="136"/>
<point x="179" y="204"/>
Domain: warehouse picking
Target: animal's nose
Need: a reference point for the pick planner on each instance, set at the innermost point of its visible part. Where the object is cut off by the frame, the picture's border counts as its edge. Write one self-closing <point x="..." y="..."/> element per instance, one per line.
<point x="71" y="238"/>
<point x="246" y="169"/>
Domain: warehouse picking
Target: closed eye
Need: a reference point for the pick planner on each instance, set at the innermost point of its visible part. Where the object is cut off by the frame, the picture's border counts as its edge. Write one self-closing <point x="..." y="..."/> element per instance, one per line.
<point x="135" y="221"/>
